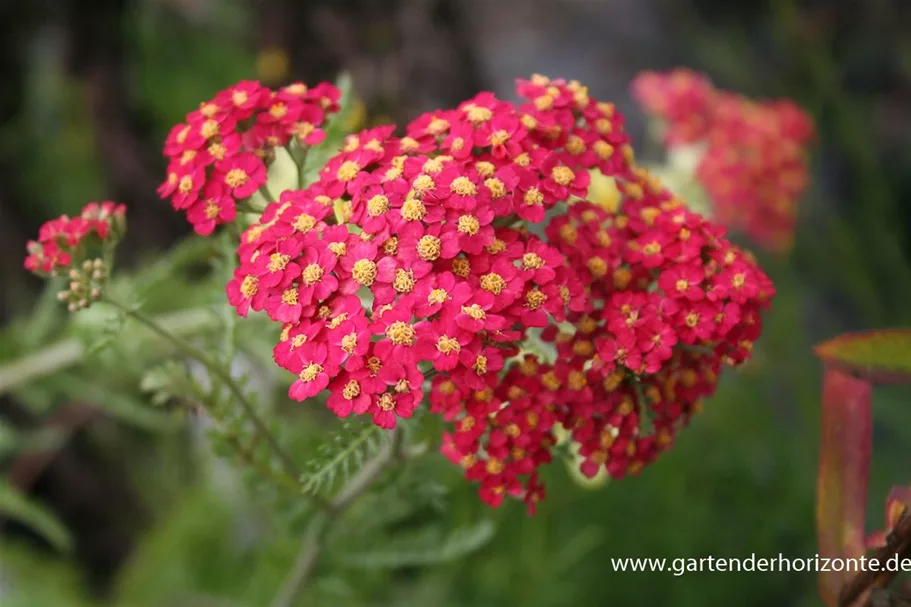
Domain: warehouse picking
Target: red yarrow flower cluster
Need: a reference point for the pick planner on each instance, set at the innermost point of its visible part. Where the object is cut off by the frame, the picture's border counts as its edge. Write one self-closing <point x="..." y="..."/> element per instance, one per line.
<point x="66" y="240"/>
<point x="754" y="168"/>
<point x="424" y="268"/>
<point x="220" y="154"/>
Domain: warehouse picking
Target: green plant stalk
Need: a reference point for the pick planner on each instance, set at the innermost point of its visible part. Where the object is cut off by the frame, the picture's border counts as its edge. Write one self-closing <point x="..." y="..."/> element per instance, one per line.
<point x="323" y="521"/>
<point x="222" y="374"/>
<point x="68" y="352"/>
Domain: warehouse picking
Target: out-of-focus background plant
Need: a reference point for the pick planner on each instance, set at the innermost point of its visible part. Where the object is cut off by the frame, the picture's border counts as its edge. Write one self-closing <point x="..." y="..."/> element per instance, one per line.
<point x="116" y="502"/>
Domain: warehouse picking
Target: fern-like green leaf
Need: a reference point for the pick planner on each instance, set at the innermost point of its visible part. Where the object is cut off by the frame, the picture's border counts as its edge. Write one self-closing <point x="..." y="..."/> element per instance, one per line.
<point x="429" y="546"/>
<point x="342" y="454"/>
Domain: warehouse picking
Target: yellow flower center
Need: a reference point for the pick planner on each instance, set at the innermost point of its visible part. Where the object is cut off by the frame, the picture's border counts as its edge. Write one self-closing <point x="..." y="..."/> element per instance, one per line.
<point x="461" y="267"/>
<point x="249" y="286"/>
<point x="352" y="390"/>
<point x="432" y="166"/>
<point x="738" y="280"/>
<point x="603" y="150"/>
<point x="480" y="365"/>
<point x="408" y="144"/>
<point x="474" y="311"/>
<point x="239" y="97"/>
<point x="692" y="319"/>
<point x="338" y="320"/>
<point x="377" y="205"/>
<point x="562" y="175"/>
<point x="534" y="299"/>
<point x="312" y="274"/>
<point x="278" y="262"/>
<point x="349" y="342"/>
<point x="289" y="296"/>
<point x="652" y="248"/>
<point x="437" y="126"/>
<point x="597" y="266"/>
<point x="217" y="150"/>
<point x="404" y="281"/>
<point x="278" y="110"/>
<point x="310" y="372"/>
<point x="374" y="364"/>
<point x="463" y="187"/>
<point x="400" y="333"/>
<point x="532" y="261"/>
<point x="576" y="380"/>
<point x="236" y="178"/>
<point x="469" y="224"/>
<point x="448" y="345"/>
<point x="338" y="248"/>
<point x="209" y="129"/>
<point x="297" y="341"/>
<point x="423" y="183"/>
<point x="499" y="137"/>
<point x="682" y="285"/>
<point x="550" y="381"/>
<point x="348" y="170"/>
<point x="212" y="209"/>
<point x="386" y="402"/>
<point x="533" y="197"/>
<point x="583" y="347"/>
<point x="437" y="296"/>
<point x="575" y="145"/>
<point x="413" y="210"/>
<point x="497" y="246"/>
<point x="497" y="188"/>
<point x="477" y="114"/>
<point x="364" y="272"/>
<point x="429" y="247"/>
<point x="493" y="282"/>
<point x="186" y="184"/>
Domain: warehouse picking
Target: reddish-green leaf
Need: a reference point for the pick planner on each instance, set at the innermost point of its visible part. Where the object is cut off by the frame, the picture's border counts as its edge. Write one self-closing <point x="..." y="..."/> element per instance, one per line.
<point x="882" y="356"/>
<point x="843" y="473"/>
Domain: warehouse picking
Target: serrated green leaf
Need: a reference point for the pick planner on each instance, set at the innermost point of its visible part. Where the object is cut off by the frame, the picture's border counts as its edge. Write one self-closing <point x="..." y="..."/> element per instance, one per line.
<point x="341" y="455"/>
<point x="16" y="505"/>
<point x="426" y="547"/>
<point x="882" y="356"/>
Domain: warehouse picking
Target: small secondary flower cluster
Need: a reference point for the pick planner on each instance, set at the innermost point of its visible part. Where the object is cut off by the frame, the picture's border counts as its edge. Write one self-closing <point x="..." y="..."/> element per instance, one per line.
<point x="754" y="167"/>
<point x="441" y="253"/>
<point x="68" y="246"/>
<point x="220" y="154"/>
<point x="65" y="241"/>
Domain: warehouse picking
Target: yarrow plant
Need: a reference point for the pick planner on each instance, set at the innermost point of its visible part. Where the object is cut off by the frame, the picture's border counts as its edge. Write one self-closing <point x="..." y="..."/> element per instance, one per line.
<point x="752" y="154"/>
<point x="457" y="266"/>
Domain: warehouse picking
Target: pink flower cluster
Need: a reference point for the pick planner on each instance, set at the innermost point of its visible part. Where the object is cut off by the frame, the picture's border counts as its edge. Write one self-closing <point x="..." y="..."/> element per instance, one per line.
<point x="417" y="267"/>
<point x="220" y="154"/>
<point x="754" y="169"/>
<point x="65" y="239"/>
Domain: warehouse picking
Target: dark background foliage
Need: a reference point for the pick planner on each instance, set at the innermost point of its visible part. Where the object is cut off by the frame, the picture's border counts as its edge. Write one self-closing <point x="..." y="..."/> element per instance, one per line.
<point x="91" y="88"/>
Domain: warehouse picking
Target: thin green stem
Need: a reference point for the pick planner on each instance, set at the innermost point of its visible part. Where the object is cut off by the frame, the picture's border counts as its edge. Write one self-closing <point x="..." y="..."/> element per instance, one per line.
<point x="68" y="352"/>
<point x="322" y="522"/>
<point x="217" y="370"/>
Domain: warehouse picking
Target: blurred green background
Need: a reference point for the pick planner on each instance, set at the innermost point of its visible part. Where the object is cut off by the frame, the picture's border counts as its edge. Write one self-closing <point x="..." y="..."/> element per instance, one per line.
<point x="89" y="92"/>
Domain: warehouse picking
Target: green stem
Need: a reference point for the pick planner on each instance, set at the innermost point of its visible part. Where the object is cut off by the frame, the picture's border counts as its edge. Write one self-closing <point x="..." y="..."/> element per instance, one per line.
<point x="68" y="352"/>
<point x="322" y="522"/>
<point x="217" y="370"/>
